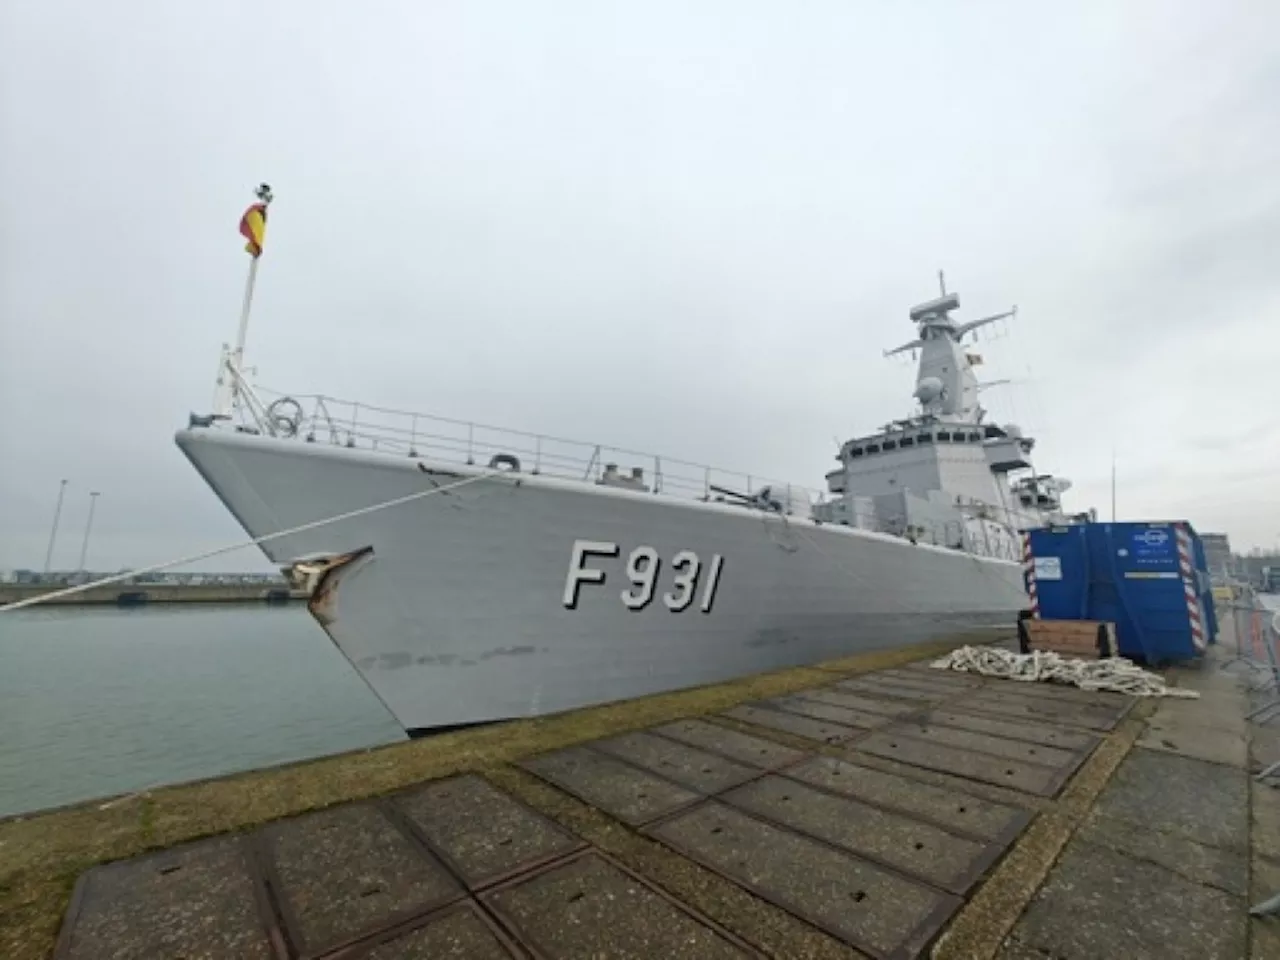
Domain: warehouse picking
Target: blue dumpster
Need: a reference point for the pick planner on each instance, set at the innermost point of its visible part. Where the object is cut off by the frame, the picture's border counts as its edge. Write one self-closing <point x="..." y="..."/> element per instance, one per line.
<point x="1150" y="579"/>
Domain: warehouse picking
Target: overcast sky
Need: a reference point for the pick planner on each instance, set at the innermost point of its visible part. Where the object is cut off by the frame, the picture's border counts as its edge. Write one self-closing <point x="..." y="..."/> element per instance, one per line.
<point x="685" y="227"/>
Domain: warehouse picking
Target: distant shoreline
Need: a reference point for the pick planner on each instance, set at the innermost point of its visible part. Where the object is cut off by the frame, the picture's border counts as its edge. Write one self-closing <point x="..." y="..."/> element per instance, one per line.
<point x="143" y="594"/>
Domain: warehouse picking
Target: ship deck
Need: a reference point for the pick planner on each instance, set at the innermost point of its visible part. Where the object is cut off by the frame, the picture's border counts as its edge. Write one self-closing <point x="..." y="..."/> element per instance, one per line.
<point x="869" y="807"/>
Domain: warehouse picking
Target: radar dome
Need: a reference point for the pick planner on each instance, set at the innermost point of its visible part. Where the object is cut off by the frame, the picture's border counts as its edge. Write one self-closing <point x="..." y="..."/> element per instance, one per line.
<point x="929" y="389"/>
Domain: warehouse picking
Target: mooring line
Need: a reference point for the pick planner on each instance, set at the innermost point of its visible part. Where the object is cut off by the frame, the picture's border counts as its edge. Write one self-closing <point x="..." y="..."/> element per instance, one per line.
<point x="314" y="524"/>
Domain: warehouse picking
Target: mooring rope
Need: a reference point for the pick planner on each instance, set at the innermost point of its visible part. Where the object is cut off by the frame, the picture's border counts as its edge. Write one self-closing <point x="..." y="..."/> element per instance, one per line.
<point x="240" y="545"/>
<point x="1112" y="674"/>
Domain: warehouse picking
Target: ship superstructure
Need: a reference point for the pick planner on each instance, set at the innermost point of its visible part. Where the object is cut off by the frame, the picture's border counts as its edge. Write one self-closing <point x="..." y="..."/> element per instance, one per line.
<point x="945" y="475"/>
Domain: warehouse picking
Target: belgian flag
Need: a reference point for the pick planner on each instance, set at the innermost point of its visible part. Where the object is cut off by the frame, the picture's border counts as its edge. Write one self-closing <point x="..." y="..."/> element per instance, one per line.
<point x="253" y="227"/>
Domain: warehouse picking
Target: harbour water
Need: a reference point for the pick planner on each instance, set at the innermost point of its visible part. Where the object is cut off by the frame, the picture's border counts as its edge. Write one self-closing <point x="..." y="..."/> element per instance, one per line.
<point x="101" y="701"/>
<point x="98" y="701"/>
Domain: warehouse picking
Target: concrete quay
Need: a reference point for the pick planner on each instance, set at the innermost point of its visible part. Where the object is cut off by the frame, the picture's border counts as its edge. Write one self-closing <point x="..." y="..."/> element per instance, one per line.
<point x="127" y="594"/>
<point x="870" y="807"/>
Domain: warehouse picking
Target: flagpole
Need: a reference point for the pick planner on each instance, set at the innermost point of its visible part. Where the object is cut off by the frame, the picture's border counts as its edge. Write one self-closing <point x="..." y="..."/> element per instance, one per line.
<point x="231" y="370"/>
<point x="243" y="332"/>
<point x="1113" y="485"/>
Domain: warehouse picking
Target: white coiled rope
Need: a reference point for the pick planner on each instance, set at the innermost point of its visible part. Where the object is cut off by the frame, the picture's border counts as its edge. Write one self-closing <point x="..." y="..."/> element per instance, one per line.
<point x="1114" y="674"/>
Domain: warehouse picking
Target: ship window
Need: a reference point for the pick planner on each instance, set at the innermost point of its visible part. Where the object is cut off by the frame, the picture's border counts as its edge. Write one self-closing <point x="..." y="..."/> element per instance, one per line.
<point x="873" y="448"/>
<point x="855" y="451"/>
<point x="891" y="445"/>
<point x="908" y="442"/>
<point x="925" y="438"/>
<point x="975" y="437"/>
<point x="944" y="437"/>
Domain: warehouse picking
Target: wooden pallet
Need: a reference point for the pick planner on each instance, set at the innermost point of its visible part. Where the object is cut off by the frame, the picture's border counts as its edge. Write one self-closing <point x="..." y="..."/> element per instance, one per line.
<point x="1073" y="638"/>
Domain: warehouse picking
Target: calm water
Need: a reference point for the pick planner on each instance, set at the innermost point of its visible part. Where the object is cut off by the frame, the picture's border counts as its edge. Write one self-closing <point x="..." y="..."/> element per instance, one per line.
<point x="101" y="701"/>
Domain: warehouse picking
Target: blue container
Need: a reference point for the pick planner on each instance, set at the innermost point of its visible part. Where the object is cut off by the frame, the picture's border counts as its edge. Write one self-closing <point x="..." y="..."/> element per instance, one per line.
<point x="1150" y="579"/>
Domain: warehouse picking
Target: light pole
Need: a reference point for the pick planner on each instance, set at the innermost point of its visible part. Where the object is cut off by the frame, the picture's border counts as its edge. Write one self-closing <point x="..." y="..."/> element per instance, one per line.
<point x="57" y="512"/>
<point x="88" y="525"/>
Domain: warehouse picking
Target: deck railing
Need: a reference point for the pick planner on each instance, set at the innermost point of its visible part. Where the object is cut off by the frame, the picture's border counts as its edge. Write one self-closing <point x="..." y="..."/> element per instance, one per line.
<point x="317" y="418"/>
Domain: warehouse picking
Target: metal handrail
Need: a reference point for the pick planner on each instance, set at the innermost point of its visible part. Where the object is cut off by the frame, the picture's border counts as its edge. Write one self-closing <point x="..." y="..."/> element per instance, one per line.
<point x="354" y="424"/>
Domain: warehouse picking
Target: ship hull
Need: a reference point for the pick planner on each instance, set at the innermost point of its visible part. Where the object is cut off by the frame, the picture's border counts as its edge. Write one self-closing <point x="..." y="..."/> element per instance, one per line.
<point x="517" y="595"/>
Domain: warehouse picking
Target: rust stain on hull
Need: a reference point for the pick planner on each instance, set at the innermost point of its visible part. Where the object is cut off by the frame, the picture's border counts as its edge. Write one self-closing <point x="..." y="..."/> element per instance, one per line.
<point x="320" y="577"/>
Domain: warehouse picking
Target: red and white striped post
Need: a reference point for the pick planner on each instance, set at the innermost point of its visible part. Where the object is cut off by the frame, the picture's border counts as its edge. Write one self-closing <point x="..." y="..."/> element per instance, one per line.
<point x="1029" y="566"/>
<point x="1187" y="569"/>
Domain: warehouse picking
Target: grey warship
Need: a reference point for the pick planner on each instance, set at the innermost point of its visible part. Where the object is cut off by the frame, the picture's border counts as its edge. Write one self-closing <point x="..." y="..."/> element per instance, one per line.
<point x="547" y="574"/>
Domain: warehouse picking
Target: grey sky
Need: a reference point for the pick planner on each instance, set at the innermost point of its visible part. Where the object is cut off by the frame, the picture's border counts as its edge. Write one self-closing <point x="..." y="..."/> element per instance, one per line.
<point x="687" y="227"/>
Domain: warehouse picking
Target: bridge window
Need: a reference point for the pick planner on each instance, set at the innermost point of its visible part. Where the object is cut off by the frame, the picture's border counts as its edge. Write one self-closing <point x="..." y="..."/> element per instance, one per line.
<point x="975" y="438"/>
<point x="944" y="437"/>
<point x="891" y="445"/>
<point x="873" y="448"/>
<point x="924" y="438"/>
<point x="908" y="442"/>
<point x="855" y="451"/>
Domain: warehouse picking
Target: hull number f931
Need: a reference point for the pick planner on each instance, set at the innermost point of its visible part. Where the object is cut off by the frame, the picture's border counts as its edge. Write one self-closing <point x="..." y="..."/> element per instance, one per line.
<point x="643" y="568"/>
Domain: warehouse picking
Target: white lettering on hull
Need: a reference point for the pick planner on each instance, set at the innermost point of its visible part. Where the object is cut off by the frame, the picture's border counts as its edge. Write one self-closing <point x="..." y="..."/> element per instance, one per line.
<point x="643" y="568"/>
<point x="580" y="574"/>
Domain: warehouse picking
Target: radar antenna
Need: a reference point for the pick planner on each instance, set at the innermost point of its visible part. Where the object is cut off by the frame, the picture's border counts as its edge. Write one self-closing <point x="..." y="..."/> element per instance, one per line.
<point x="972" y="325"/>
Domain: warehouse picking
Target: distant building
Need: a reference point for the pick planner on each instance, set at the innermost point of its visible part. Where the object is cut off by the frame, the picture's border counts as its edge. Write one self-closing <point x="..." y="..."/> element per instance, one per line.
<point x="1217" y="553"/>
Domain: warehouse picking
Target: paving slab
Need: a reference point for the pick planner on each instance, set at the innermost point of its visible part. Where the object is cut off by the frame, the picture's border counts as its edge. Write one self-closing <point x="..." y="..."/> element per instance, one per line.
<point x="1264" y="833"/>
<point x="1064" y="692"/>
<point x="889" y="690"/>
<point x="1206" y="714"/>
<point x="987" y="743"/>
<point x="1042" y="711"/>
<point x="1204" y="802"/>
<point x="842" y="698"/>
<point x="873" y="909"/>
<point x="688" y="766"/>
<point x="904" y="843"/>
<point x="1264" y="932"/>
<point x="456" y="933"/>
<point x="196" y="900"/>
<point x="1207" y="675"/>
<point x="617" y="788"/>
<point x="1016" y="950"/>
<point x="928" y="669"/>
<point x="953" y="809"/>
<point x="592" y="907"/>
<point x="823" y="731"/>
<point x="1015" y="774"/>
<point x="1226" y="869"/>
<point x="1188" y="739"/>
<point x="915" y="681"/>
<point x="756" y="751"/>
<point x="1098" y="903"/>
<point x="828" y="711"/>
<point x="1050" y="736"/>
<point x="916" y="672"/>
<point x="481" y="833"/>
<point x="344" y="873"/>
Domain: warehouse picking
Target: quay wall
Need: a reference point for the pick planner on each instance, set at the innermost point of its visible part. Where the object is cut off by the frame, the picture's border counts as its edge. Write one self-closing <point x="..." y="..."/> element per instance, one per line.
<point x="126" y="594"/>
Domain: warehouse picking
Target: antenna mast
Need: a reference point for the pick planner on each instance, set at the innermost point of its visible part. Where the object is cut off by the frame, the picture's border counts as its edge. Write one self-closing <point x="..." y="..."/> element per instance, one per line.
<point x="1113" y="484"/>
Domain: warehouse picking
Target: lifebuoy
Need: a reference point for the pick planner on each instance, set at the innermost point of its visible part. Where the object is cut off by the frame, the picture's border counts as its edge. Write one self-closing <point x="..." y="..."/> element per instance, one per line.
<point x="508" y="461"/>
